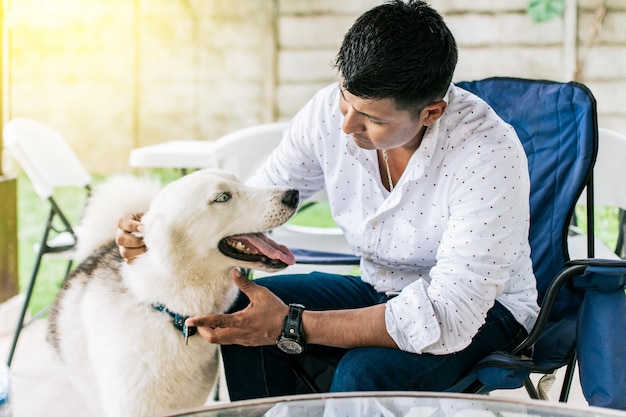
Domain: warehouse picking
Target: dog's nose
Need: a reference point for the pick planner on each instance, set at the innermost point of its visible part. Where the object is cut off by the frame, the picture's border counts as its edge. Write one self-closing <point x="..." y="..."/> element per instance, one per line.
<point x="291" y="198"/>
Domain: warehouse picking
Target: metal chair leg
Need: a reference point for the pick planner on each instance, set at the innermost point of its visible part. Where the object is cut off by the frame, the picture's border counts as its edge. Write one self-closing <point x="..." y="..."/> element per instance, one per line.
<point x="29" y="293"/>
<point x="43" y="247"/>
<point x="568" y="378"/>
<point x="530" y="389"/>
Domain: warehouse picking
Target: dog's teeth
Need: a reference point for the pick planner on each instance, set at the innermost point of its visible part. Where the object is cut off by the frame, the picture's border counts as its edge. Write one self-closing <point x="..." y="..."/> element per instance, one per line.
<point x="241" y="247"/>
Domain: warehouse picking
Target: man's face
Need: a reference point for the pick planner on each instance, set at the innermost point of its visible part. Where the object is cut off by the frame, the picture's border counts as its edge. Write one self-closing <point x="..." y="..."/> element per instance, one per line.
<point x="377" y="124"/>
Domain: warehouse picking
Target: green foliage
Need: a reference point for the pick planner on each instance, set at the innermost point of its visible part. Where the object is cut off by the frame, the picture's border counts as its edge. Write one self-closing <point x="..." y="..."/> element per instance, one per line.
<point x="606" y="223"/>
<point x="544" y="10"/>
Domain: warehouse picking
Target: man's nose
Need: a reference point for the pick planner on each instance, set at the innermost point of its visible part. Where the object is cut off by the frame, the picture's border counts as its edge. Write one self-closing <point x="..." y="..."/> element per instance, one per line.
<point x="351" y="123"/>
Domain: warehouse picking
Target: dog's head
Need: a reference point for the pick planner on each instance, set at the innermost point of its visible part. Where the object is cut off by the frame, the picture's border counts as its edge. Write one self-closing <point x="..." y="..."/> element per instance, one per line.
<point x="211" y="216"/>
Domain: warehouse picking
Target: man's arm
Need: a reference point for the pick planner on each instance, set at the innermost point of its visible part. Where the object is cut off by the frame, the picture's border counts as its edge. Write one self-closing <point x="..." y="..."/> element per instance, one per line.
<point x="261" y="322"/>
<point x="348" y="328"/>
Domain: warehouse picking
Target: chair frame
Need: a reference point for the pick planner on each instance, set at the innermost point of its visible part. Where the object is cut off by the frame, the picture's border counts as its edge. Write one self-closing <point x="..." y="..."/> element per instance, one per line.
<point x="46" y="246"/>
<point x="24" y="140"/>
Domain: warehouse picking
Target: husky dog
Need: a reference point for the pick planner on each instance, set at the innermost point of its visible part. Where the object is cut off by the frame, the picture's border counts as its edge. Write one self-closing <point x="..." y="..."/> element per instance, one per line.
<point x="120" y="327"/>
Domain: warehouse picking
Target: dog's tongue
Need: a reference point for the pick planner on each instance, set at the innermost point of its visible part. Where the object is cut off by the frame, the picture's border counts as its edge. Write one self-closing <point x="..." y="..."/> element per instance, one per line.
<point x="268" y="247"/>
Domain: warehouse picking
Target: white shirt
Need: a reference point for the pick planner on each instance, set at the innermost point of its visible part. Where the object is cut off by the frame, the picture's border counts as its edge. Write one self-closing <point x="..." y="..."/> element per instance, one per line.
<point x="452" y="236"/>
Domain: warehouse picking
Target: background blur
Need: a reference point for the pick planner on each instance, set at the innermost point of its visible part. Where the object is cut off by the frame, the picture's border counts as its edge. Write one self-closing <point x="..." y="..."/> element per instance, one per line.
<point x="117" y="74"/>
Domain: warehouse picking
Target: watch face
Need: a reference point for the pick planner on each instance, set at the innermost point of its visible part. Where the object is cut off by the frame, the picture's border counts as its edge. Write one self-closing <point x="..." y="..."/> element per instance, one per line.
<point x="289" y="346"/>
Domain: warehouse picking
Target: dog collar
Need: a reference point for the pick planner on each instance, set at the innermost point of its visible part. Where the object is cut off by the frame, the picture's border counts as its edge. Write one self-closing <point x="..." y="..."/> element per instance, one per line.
<point x="177" y="320"/>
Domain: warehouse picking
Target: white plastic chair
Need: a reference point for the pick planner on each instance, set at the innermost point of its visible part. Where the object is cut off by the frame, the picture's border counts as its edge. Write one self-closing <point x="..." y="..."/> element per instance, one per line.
<point x="49" y="163"/>
<point x="242" y="152"/>
<point x="609" y="190"/>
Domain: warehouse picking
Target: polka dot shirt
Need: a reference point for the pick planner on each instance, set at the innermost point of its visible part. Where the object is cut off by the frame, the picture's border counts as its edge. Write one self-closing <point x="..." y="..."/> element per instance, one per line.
<point x="452" y="236"/>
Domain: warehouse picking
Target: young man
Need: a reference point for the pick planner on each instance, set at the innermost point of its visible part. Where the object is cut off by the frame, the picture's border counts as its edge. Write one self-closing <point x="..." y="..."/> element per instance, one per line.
<point x="431" y="189"/>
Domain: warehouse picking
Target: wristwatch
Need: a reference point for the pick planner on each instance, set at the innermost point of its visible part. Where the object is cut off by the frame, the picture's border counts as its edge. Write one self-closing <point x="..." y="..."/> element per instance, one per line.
<point x="291" y="340"/>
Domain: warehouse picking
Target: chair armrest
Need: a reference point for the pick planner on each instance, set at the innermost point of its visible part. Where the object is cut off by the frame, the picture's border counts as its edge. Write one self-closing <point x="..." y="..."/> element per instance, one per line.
<point x="600" y="274"/>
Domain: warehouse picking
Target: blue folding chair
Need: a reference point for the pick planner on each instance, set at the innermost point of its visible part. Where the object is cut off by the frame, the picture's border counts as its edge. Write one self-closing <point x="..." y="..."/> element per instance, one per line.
<point x="583" y="303"/>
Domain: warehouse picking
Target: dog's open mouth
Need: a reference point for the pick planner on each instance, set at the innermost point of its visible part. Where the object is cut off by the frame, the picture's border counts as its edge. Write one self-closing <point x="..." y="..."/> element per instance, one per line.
<point x="258" y="248"/>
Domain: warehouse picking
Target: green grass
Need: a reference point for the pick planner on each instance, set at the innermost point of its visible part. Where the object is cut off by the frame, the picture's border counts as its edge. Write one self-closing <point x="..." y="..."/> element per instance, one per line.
<point x="606" y="221"/>
<point x="33" y="211"/>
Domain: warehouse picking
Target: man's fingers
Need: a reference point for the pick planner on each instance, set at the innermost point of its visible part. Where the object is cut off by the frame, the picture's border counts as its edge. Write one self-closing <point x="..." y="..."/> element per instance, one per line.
<point x="127" y="240"/>
<point x="241" y="281"/>
<point x="211" y="320"/>
<point x="128" y="237"/>
<point x="131" y="223"/>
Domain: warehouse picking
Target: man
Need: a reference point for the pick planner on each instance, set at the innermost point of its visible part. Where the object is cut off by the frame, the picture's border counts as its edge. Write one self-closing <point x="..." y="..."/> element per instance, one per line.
<point x="431" y="189"/>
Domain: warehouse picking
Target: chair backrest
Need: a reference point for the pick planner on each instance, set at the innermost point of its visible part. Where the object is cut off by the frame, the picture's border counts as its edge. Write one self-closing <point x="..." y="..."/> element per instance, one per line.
<point x="242" y="151"/>
<point x="44" y="155"/>
<point x="557" y="125"/>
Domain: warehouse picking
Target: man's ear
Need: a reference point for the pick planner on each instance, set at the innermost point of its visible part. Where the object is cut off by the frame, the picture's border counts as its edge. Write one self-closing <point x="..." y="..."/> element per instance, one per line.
<point x="433" y="111"/>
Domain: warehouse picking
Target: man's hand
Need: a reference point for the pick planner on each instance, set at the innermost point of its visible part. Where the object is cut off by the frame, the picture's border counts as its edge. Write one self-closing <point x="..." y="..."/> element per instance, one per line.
<point x="259" y="324"/>
<point x="128" y="238"/>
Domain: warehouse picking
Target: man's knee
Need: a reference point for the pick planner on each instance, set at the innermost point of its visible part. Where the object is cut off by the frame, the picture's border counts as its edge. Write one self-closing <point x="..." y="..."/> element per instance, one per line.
<point x="357" y="371"/>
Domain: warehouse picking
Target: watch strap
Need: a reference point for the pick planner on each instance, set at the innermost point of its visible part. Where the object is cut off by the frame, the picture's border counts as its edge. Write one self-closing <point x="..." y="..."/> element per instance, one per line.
<point x="292" y="327"/>
<point x="291" y="339"/>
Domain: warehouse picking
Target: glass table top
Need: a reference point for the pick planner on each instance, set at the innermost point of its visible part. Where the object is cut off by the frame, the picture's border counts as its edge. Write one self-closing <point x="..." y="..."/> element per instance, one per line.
<point x="390" y="404"/>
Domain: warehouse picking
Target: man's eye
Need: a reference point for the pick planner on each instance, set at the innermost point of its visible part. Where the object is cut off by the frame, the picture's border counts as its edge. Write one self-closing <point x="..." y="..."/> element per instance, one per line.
<point x="222" y="198"/>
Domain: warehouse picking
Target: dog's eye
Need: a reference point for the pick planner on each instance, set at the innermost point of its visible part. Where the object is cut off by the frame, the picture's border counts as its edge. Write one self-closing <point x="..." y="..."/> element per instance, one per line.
<point x="222" y="197"/>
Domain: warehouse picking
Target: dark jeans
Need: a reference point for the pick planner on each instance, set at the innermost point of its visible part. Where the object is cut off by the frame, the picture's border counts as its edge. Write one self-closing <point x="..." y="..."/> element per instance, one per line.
<point x="266" y="371"/>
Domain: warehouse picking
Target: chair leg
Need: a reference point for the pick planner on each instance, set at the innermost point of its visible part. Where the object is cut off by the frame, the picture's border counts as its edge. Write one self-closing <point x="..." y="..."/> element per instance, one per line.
<point x="567" y="379"/>
<point x="29" y="293"/>
<point x="530" y="389"/>
<point x="620" y="246"/>
<point x="304" y="377"/>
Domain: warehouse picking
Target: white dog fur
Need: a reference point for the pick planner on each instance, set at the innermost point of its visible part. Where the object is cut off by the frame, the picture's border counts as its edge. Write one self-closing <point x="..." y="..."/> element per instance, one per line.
<point x="121" y="350"/>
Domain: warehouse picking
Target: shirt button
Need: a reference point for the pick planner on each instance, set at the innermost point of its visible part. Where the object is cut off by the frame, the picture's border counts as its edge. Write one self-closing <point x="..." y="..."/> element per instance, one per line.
<point x="368" y="259"/>
<point x="374" y="223"/>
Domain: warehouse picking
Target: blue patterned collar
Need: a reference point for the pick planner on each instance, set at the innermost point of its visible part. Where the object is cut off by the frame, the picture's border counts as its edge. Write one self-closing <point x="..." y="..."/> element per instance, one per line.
<point x="177" y="320"/>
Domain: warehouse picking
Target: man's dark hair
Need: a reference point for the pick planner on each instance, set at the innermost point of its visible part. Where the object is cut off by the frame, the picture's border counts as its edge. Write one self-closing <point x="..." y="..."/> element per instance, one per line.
<point x="398" y="50"/>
